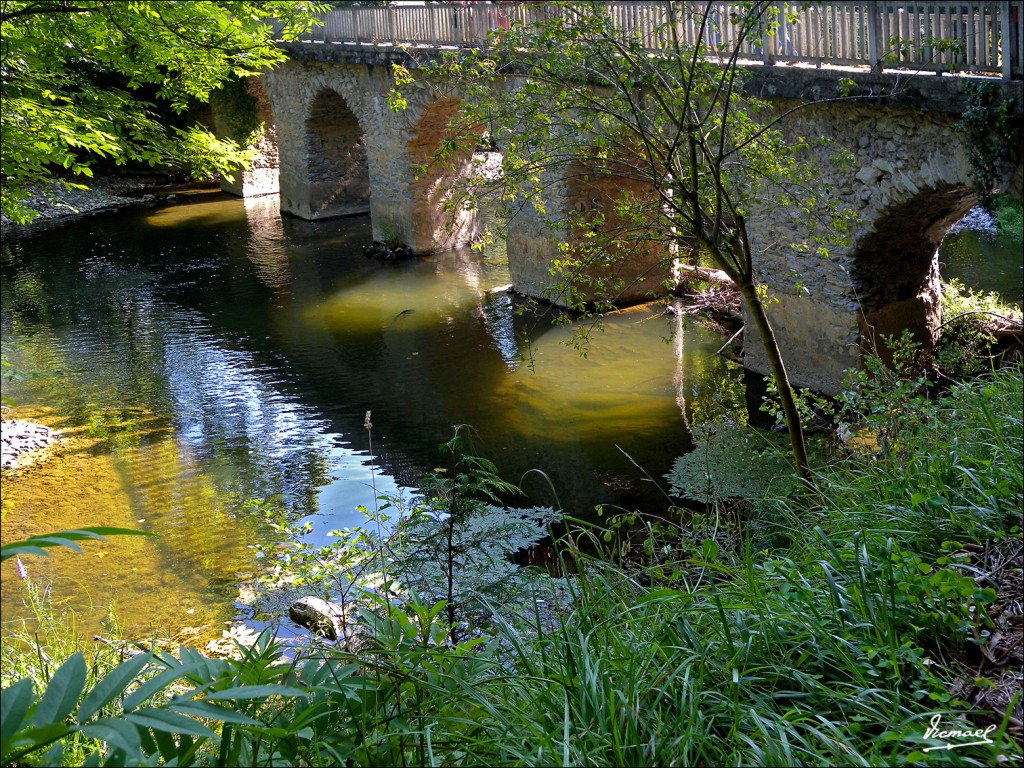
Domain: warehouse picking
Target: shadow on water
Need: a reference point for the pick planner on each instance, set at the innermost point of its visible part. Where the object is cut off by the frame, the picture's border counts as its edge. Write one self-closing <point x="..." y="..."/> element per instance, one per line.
<point x="206" y="354"/>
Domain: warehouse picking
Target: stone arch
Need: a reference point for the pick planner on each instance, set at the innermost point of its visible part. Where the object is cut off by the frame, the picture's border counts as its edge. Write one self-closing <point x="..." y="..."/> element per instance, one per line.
<point x="895" y="267"/>
<point x="907" y="177"/>
<point x="630" y="267"/>
<point x="627" y="268"/>
<point x="433" y="227"/>
<point x="337" y="170"/>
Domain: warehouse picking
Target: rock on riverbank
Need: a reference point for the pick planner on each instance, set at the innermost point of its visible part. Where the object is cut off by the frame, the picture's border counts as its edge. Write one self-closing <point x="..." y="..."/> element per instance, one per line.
<point x="22" y="442"/>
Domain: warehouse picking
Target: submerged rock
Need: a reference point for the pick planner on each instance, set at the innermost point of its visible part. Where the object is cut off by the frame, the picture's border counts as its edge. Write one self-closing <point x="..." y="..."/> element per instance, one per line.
<point x="389" y="254"/>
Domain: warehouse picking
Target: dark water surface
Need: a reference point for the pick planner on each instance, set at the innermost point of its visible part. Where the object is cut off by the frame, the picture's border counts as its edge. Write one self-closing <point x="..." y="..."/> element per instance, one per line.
<point x="984" y="259"/>
<point x="202" y="355"/>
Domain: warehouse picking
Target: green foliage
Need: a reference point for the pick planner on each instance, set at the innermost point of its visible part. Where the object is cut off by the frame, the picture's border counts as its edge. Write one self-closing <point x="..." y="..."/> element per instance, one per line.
<point x="185" y="709"/>
<point x="33" y="649"/>
<point x="965" y="345"/>
<point x="238" y="109"/>
<point x="86" y="80"/>
<point x="890" y="400"/>
<point x="727" y="462"/>
<point x="992" y="132"/>
<point x="451" y="544"/>
<point x="457" y="544"/>
<point x="1009" y="216"/>
<point x="922" y="468"/>
<point x="833" y="651"/>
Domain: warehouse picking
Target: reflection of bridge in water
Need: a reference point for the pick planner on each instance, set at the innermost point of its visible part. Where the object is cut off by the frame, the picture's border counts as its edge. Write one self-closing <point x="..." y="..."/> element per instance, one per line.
<point x="334" y="148"/>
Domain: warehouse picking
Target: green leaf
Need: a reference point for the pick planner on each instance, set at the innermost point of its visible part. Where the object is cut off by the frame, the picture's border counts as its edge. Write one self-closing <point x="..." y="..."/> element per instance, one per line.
<point x="985" y="596"/>
<point x="210" y="711"/>
<point x="709" y="549"/>
<point x="119" y="734"/>
<point x="14" y="703"/>
<point x="156" y="684"/>
<point x="62" y="692"/>
<point x="33" y="544"/>
<point x="31" y="739"/>
<point x="250" y="692"/>
<point x="112" y="685"/>
<point x="168" y="722"/>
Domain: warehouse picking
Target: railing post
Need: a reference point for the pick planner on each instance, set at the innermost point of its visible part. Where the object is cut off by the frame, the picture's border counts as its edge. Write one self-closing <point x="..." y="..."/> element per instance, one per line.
<point x="874" y="38"/>
<point x="391" y="25"/>
<point x="1006" y="41"/>
<point x="768" y="41"/>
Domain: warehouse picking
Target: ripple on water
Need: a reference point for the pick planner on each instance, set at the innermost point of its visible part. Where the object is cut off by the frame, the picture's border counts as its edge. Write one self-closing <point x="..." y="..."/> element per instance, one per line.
<point x="157" y="588"/>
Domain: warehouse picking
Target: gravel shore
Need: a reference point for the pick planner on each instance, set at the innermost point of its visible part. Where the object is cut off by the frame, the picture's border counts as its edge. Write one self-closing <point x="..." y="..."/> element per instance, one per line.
<point x="23" y="441"/>
<point x="56" y="205"/>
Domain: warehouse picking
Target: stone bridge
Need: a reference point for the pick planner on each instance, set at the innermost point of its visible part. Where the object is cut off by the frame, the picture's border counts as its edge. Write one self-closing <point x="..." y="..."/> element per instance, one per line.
<point x="334" y="148"/>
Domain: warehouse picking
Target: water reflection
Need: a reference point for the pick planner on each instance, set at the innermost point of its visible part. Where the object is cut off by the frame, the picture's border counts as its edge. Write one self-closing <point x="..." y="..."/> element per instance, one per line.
<point x="215" y="352"/>
<point x="499" y="315"/>
<point x="266" y="243"/>
<point x="983" y="258"/>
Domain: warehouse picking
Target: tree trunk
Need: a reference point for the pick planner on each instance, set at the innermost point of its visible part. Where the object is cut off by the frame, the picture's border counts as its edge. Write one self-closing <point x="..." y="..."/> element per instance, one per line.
<point x="786" y="399"/>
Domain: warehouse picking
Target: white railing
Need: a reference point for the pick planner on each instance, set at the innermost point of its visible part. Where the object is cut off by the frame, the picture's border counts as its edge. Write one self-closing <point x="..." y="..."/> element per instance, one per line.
<point x="982" y="38"/>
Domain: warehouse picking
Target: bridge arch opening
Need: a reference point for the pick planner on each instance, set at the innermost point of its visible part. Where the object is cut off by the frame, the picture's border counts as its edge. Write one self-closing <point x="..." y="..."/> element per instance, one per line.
<point x="339" y="173"/>
<point x="896" y="267"/>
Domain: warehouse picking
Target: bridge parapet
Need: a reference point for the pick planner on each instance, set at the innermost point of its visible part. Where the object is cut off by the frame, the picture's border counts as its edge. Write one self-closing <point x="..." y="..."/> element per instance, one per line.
<point x="976" y="37"/>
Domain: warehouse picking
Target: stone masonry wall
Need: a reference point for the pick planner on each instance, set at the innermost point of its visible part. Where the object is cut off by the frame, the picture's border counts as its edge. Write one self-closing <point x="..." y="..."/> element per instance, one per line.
<point x="909" y="181"/>
<point x="402" y="206"/>
<point x="261" y="177"/>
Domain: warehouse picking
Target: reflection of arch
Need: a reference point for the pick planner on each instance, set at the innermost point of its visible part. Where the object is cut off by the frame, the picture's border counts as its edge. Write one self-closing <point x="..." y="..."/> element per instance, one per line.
<point x="433" y="227"/>
<point x="895" y="268"/>
<point x="339" y="176"/>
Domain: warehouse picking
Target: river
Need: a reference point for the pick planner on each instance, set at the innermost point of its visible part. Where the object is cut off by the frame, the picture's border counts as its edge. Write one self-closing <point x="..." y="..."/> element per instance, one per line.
<point x="202" y="356"/>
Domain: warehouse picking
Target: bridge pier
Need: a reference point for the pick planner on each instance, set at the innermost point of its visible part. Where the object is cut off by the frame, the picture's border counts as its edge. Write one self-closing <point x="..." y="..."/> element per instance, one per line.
<point x="247" y="102"/>
<point x="335" y="149"/>
<point x="909" y="182"/>
<point x="544" y="251"/>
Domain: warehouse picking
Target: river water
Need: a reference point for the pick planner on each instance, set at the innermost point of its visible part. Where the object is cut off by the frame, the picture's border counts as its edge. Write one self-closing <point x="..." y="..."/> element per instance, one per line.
<point x="983" y="258"/>
<point x="203" y="355"/>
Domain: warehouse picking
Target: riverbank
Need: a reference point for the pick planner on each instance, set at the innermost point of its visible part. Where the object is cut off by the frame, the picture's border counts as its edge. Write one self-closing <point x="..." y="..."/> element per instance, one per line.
<point x="54" y="204"/>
